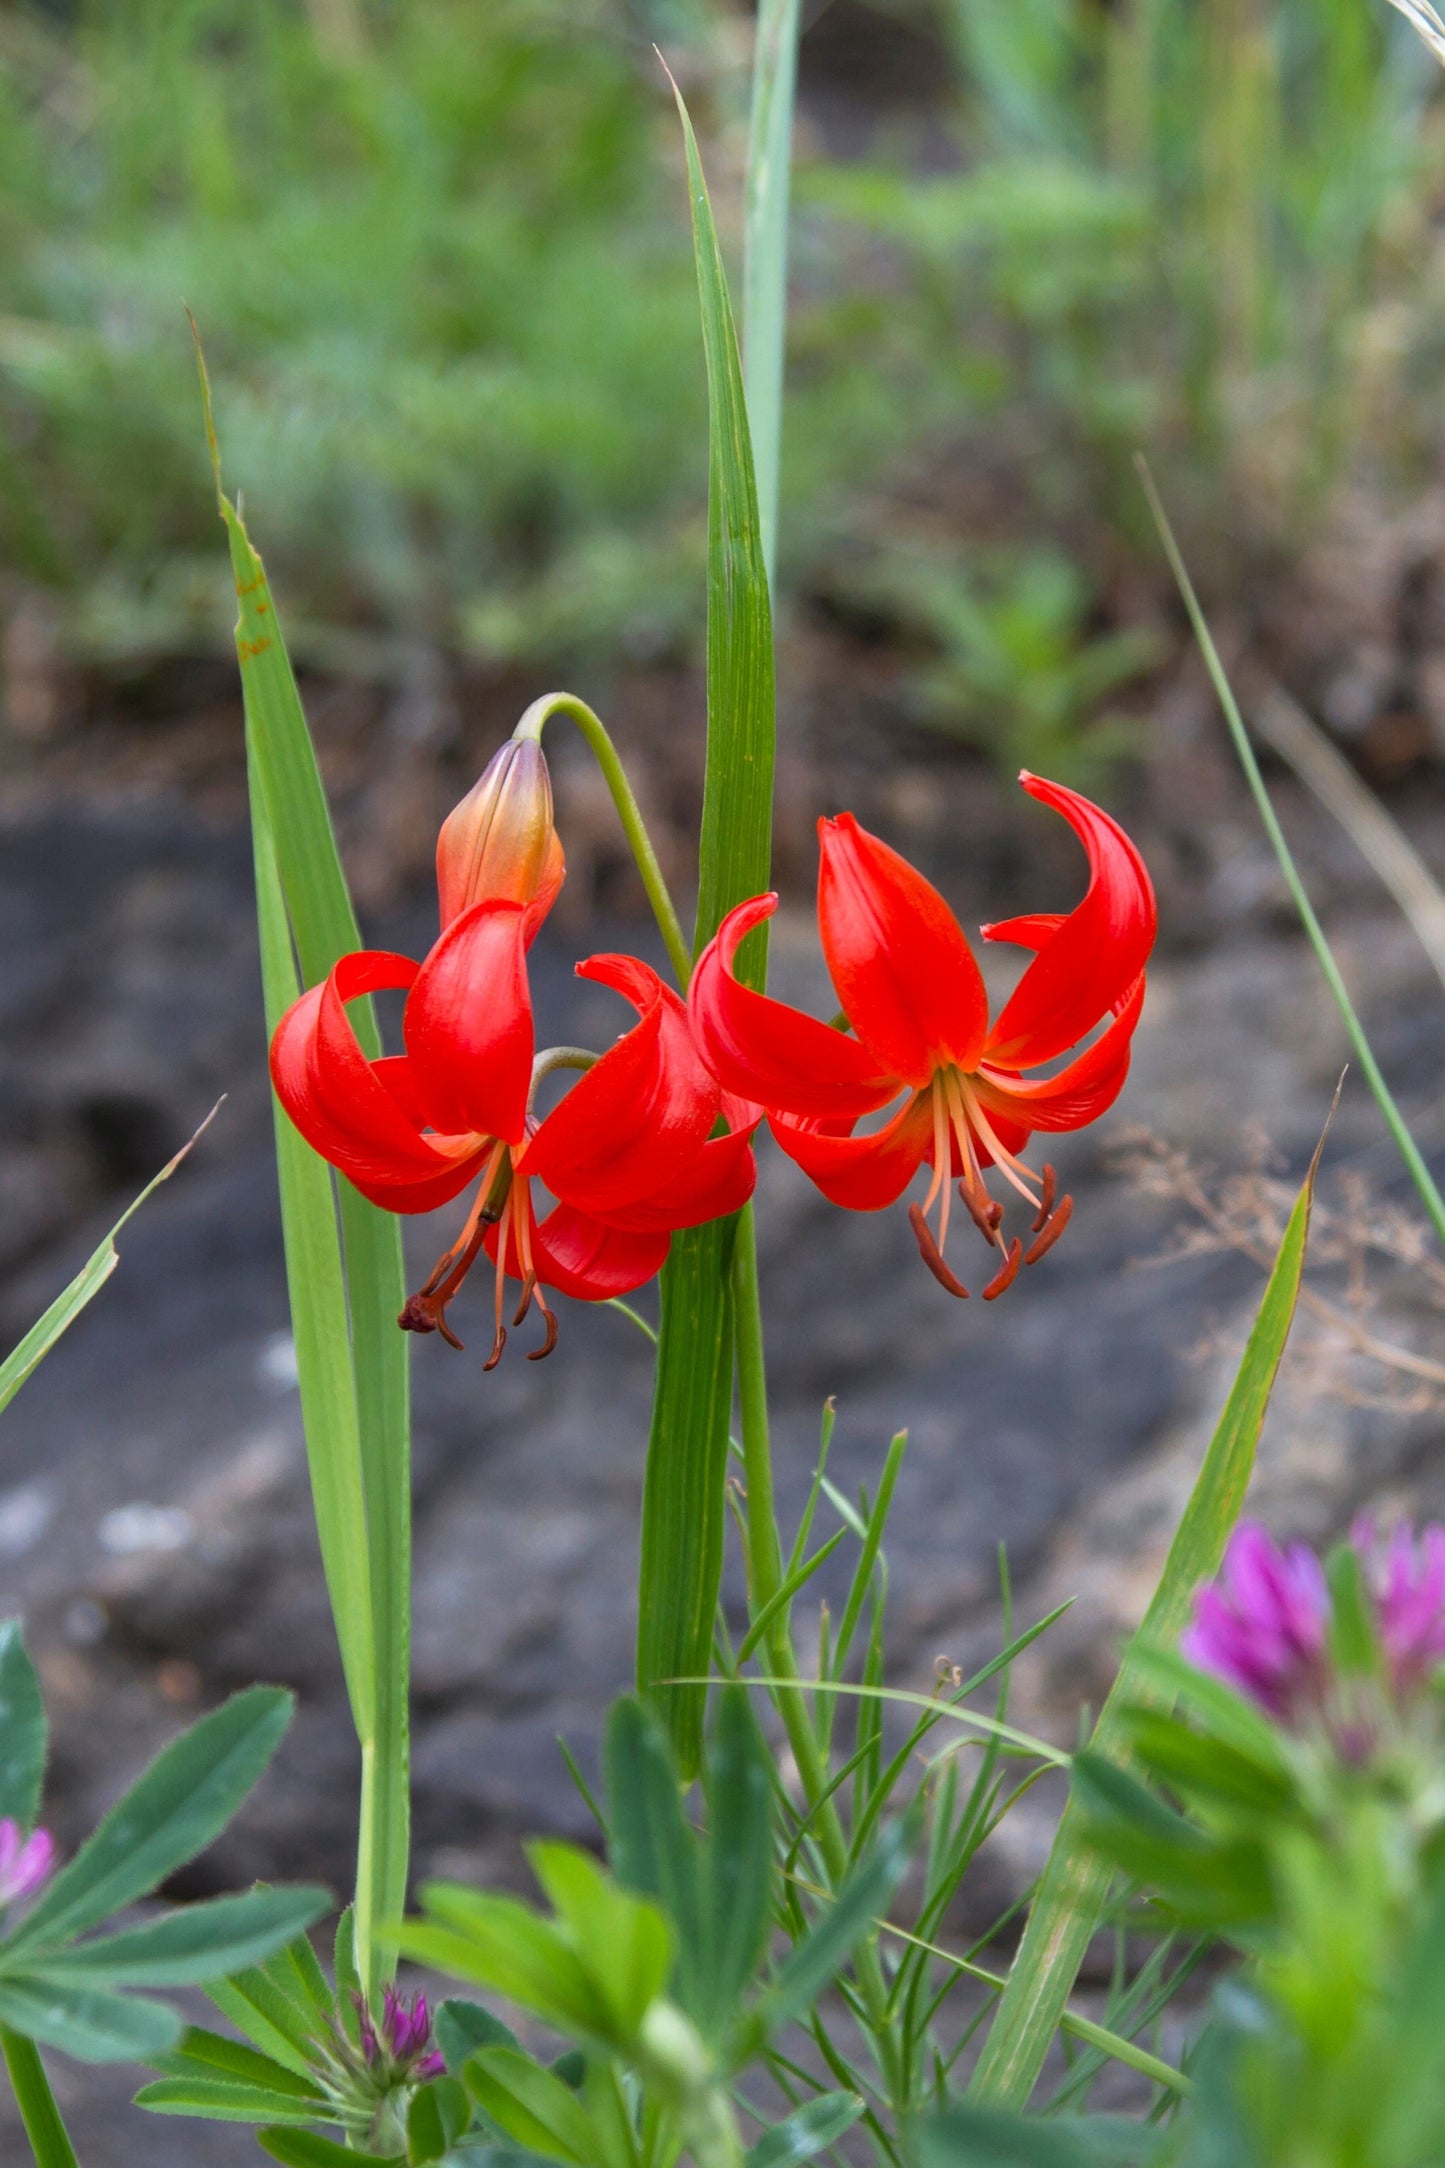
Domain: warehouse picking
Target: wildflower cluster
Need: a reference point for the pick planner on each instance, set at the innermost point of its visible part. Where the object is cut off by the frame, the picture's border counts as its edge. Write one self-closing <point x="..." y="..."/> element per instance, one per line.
<point x="656" y="1133"/>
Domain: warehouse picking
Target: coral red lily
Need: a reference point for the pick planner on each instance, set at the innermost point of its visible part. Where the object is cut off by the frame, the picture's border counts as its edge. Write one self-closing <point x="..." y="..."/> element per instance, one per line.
<point x="918" y="1016"/>
<point x="628" y="1154"/>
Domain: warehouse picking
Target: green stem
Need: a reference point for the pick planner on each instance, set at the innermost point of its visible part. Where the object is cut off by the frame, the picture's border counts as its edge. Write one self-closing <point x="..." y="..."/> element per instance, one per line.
<point x="604" y="752"/>
<point x="49" y="2140"/>
<point x="1395" y="1122"/>
<point x="766" y="1574"/>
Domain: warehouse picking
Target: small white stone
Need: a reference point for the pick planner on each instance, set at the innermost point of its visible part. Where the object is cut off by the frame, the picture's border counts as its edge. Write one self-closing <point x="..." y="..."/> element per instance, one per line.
<point x="276" y="1363"/>
<point x="141" y="1527"/>
<point x="25" y="1514"/>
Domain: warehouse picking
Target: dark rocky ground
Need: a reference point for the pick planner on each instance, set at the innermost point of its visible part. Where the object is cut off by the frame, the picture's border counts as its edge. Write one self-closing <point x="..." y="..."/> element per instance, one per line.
<point x="154" y="1523"/>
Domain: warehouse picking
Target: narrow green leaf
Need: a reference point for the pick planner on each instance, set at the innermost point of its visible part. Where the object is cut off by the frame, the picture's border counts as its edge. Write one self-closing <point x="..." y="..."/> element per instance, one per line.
<point x="348" y="1979"/>
<point x="22" y="1729"/>
<point x="622" y="1940"/>
<point x="765" y="250"/>
<point x="192" y="1944"/>
<point x="178" y="1807"/>
<point x="652" y="1848"/>
<point x="983" y="2138"/>
<point x="739" y="1858"/>
<point x="281" y="2026"/>
<point x="304" y="2149"/>
<point x="1415" y="1163"/>
<point x="44" y="2126"/>
<point x="825" y="1949"/>
<point x="364" y="1448"/>
<point x="89" y="2023"/>
<point x="683" y="1513"/>
<point x="215" y="2100"/>
<point x="684" y="1496"/>
<point x="210" y="2057"/>
<point x="531" y="2106"/>
<point x="24" y="1359"/>
<point x="501" y="1944"/>
<point x="780" y="1600"/>
<point x="810" y="2129"/>
<point x="1074" y="1887"/>
<point x="438" y="2115"/>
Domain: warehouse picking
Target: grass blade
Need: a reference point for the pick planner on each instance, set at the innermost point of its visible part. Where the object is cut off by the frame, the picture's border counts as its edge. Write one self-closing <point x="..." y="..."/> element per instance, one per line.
<point x="1074" y="1887"/>
<point x="1395" y="1122"/>
<point x="765" y="250"/>
<point x="683" y="1515"/>
<point x="49" y="2140"/>
<point x="24" y="1360"/>
<point x="364" y="1447"/>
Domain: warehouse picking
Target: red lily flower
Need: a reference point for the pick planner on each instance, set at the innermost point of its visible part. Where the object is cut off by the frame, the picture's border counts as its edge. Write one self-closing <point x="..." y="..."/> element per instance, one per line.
<point x="628" y="1153"/>
<point x="914" y="1000"/>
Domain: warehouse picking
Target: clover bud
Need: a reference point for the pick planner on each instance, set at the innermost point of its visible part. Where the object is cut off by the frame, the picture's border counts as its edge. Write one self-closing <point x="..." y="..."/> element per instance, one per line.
<point x="500" y="841"/>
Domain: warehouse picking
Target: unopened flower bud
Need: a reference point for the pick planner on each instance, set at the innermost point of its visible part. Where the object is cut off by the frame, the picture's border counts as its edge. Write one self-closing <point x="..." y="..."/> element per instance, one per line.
<point x="500" y="841"/>
<point x="25" y="1862"/>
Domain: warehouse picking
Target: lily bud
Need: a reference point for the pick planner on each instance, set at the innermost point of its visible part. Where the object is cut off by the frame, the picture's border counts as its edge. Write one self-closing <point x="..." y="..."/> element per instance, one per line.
<point x="499" y="844"/>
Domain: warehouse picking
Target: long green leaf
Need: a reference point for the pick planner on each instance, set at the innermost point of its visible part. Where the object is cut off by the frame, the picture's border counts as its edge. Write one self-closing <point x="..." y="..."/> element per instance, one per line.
<point x="207" y="2057"/>
<point x="44" y="2127"/>
<point x="683" y="1516"/>
<point x="22" y="1729"/>
<point x="179" y="1806"/>
<point x="194" y="1943"/>
<point x="213" y="2100"/>
<point x="765" y="249"/>
<point x="363" y="1447"/>
<point x="1074" y="1887"/>
<point x="24" y="1360"/>
<point x="89" y="2023"/>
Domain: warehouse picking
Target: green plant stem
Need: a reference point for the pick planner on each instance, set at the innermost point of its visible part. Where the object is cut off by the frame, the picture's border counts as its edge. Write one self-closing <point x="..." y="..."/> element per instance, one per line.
<point x="1395" y="1121"/>
<point x="604" y="752"/>
<point x="765" y="1560"/>
<point x="49" y="2140"/>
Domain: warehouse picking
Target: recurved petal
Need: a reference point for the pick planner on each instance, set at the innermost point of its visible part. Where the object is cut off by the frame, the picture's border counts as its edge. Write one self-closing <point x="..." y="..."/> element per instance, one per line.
<point x="636" y="1119"/>
<point x="718" y="1180"/>
<point x="1091" y="960"/>
<point x="468" y="1024"/>
<point x="862" y="1173"/>
<point x="905" y="974"/>
<point x="581" y="1257"/>
<point x="1084" y="1089"/>
<point x="343" y="1104"/>
<point x="769" y="1053"/>
<point x="1029" y="931"/>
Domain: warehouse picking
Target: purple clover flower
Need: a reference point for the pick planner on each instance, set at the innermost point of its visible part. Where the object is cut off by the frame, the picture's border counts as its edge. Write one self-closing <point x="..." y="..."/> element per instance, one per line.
<point x="1406" y="1576"/>
<point x="1261" y="1626"/>
<point x="25" y="1862"/>
<point x="405" y="2041"/>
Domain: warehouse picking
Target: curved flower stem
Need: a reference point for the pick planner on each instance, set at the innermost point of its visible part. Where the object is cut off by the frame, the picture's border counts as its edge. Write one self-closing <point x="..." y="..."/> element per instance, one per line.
<point x="49" y="2140"/>
<point x="604" y="752"/>
<point x="766" y="1576"/>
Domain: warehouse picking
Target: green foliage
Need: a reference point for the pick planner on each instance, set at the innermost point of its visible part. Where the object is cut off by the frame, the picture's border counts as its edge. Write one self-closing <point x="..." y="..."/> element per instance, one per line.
<point x="1018" y="670"/>
<point x="683" y="1517"/>
<point x="69" y="1993"/>
<point x="1071" y="1895"/>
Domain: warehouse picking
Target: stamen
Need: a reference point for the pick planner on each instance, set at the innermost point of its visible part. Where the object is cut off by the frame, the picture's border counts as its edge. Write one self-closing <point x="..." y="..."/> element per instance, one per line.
<point x="425" y="1311"/>
<point x="497" y="1345"/>
<point x="1014" y="1170"/>
<point x="942" y="1157"/>
<point x="539" y="1354"/>
<point x="1007" y="1272"/>
<point x="1043" y="1243"/>
<point x="528" y="1289"/>
<point x="1046" y="1200"/>
<point x="932" y="1255"/>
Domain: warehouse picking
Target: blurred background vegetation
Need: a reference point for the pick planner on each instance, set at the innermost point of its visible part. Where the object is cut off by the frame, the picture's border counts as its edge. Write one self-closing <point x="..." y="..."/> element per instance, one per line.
<point x="438" y="254"/>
